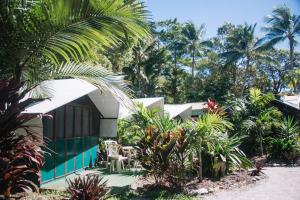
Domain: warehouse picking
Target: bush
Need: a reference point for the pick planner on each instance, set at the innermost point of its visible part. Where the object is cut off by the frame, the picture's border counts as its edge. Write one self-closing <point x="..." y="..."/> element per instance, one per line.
<point x="155" y="152"/>
<point x="21" y="156"/>
<point x="90" y="187"/>
<point x="284" y="149"/>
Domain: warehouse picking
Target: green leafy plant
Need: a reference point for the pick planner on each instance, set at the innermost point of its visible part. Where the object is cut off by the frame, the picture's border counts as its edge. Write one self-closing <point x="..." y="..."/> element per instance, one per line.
<point x="131" y="130"/>
<point x="21" y="156"/>
<point x="260" y="118"/>
<point x="89" y="187"/>
<point x="53" y="39"/>
<point x="208" y="128"/>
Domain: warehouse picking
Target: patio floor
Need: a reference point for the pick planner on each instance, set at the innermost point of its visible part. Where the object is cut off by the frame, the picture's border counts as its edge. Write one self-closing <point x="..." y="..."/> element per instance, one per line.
<point x="114" y="180"/>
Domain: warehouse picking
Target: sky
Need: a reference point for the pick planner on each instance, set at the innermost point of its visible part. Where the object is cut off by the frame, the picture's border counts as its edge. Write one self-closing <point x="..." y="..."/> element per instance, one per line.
<point x="213" y="13"/>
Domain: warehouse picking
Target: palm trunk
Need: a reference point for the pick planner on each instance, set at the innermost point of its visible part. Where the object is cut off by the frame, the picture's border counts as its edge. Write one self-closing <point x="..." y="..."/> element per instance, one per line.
<point x="200" y="174"/>
<point x="193" y="67"/>
<point x="174" y="76"/>
<point x="246" y="75"/>
<point x="291" y="44"/>
<point x="261" y="144"/>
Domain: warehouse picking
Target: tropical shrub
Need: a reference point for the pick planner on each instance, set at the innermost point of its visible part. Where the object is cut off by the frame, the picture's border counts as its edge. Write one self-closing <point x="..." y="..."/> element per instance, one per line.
<point x="255" y="118"/>
<point x="131" y="130"/>
<point x="286" y="144"/>
<point x="155" y="152"/>
<point x="181" y="164"/>
<point x="21" y="156"/>
<point x="208" y="128"/>
<point x="89" y="187"/>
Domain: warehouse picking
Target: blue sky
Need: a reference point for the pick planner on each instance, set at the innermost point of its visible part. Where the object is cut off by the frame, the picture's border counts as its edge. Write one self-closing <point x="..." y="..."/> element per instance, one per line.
<point x="215" y="12"/>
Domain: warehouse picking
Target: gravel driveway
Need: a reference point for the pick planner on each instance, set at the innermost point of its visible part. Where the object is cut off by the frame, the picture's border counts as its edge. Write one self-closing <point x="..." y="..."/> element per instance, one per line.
<point x="283" y="183"/>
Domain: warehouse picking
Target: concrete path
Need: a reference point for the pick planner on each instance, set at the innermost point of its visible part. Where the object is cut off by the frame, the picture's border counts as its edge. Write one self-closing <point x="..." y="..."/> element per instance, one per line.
<point x="283" y="183"/>
<point x="117" y="180"/>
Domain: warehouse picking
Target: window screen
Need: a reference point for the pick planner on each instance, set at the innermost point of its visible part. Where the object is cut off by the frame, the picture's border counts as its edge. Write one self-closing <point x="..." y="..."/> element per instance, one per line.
<point x="59" y="123"/>
<point x="78" y="126"/>
<point x="69" y="121"/>
<point x="85" y="121"/>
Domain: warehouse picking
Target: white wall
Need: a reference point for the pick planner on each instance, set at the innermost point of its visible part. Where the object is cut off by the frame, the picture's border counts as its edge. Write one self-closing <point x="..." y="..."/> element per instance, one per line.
<point x="186" y="114"/>
<point x="108" y="127"/>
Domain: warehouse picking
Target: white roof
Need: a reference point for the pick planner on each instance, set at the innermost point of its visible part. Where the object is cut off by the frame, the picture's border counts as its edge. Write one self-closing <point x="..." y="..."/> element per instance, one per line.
<point x="197" y="105"/>
<point x="182" y="110"/>
<point x="158" y="102"/>
<point x="67" y="90"/>
<point x="293" y="101"/>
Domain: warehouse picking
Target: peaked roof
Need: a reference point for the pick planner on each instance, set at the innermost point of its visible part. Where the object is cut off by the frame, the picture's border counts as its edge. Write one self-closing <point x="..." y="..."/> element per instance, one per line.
<point x="174" y="110"/>
<point x="293" y="101"/>
<point x="125" y="112"/>
<point x="67" y="90"/>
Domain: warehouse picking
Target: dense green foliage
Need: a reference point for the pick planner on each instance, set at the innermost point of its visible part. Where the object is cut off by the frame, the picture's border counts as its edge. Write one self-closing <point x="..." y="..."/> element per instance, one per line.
<point x="174" y="152"/>
<point x="52" y="39"/>
<point x="268" y="131"/>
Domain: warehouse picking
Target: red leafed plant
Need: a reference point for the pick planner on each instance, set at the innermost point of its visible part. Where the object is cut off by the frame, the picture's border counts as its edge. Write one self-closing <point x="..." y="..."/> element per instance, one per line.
<point x="212" y="107"/>
<point x="155" y="152"/>
<point x="90" y="187"/>
<point x="21" y="156"/>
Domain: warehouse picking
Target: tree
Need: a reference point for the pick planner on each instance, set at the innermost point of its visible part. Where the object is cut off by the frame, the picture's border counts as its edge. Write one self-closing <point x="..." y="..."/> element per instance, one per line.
<point x="146" y="66"/>
<point x="170" y="35"/>
<point x="273" y="70"/>
<point x="192" y="39"/>
<point x="282" y="25"/>
<point x="49" y="39"/>
<point x="241" y="49"/>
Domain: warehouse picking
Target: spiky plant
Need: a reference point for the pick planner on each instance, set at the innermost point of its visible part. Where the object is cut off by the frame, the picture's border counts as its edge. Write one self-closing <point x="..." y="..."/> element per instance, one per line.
<point x="90" y="187"/>
<point x="21" y="156"/>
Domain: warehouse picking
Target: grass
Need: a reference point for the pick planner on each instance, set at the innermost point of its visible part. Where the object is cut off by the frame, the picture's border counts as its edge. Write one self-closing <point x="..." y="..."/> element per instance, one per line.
<point x="158" y="194"/>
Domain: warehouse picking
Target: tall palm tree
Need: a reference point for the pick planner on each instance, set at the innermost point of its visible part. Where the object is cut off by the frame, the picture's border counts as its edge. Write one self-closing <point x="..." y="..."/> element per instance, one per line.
<point x="282" y="25"/>
<point x="50" y="39"/>
<point x="241" y="49"/>
<point x="192" y="38"/>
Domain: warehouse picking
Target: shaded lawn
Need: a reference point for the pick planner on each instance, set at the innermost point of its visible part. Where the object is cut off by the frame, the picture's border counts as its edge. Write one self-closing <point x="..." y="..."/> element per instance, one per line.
<point x="124" y="193"/>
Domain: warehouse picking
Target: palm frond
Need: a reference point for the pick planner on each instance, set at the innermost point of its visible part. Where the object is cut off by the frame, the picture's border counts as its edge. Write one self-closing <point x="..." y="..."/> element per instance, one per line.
<point x="97" y="75"/>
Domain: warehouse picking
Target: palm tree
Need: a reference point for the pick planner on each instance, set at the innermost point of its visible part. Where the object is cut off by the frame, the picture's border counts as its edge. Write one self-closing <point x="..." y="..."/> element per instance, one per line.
<point x="50" y="39"/>
<point x="282" y="25"/>
<point x="241" y="49"/>
<point x="192" y="39"/>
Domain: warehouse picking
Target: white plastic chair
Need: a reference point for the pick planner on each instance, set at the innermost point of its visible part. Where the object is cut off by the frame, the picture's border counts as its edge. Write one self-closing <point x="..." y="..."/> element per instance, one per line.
<point x="115" y="157"/>
<point x="107" y="143"/>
